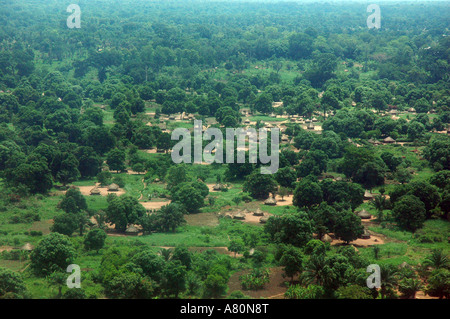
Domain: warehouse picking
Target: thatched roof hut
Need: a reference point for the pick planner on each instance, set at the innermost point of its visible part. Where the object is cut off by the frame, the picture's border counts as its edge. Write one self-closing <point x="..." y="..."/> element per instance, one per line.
<point x="217" y="187"/>
<point x="310" y="126"/>
<point x="364" y="214"/>
<point x="326" y="238"/>
<point x="113" y="187"/>
<point x="27" y="247"/>
<point x="239" y="215"/>
<point x="263" y="219"/>
<point x="366" y="234"/>
<point x="368" y="195"/>
<point x="132" y="230"/>
<point x="270" y="201"/>
<point x="95" y="191"/>
<point x="258" y="212"/>
<point x="389" y="140"/>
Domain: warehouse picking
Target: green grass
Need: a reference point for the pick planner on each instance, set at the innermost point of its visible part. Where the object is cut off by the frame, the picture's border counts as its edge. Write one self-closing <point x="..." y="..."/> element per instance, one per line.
<point x="265" y="118"/>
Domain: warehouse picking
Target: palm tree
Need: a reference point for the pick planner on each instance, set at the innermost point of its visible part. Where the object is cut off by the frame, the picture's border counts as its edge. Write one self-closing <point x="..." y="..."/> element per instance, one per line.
<point x="437" y="259"/>
<point x="409" y="287"/>
<point x="166" y="253"/>
<point x="318" y="271"/>
<point x="388" y="274"/>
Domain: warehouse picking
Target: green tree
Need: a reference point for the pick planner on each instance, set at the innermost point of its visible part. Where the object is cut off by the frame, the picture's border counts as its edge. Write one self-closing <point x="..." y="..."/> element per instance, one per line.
<point x="190" y="197"/>
<point x="123" y="210"/>
<point x="236" y="246"/>
<point x="292" y="259"/>
<point x="53" y="253"/>
<point x="353" y="292"/>
<point x="163" y="142"/>
<point x="409" y="212"/>
<point x="64" y="224"/>
<point x="116" y="160"/>
<point x="307" y="194"/>
<point x="259" y="185"/>
<point x="95" y="239"/>
<point x="348" y="226"/>
<point x="294" y="229"/>
<point x="409" y="287"/>
<point x="439" y="284"/>
<point x="437" y="259"/>
<point x="416" y="130"/>
<point x="11" y="285"/>
<point x="174" y="278"/>
<point x="129" y="285"/>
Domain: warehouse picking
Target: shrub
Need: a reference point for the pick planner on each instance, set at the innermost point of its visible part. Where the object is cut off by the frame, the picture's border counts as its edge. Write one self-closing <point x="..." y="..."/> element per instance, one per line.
<point x="256" y="280"/>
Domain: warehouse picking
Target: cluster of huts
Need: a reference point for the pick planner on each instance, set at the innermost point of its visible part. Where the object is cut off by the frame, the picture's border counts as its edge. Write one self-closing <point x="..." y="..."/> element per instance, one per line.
<point x="111" y="188"/>
<point x="259" y="213"/>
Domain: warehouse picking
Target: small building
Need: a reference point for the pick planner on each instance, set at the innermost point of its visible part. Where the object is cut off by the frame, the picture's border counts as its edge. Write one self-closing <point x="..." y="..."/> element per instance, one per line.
<point x="326" y="238"/>
<point x="271" y="201"/>
<point x="263" y="219"/>
<point x="368" y="195"/>
<point x="365" y="234"/>
<point x="95" y="191"/>
<point x="239" y="216"/>
<point x="113" y="188"/>
<point x="389" y="140"/>
<point x="364" y="214"/>
<point x="258" y="212"/>
<point x="27" y="247"/>
<point x="132" y="230"/>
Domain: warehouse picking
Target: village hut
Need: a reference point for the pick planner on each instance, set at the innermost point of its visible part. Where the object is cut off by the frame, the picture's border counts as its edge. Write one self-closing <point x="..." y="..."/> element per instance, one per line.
<point x="364" y="214"/>
<point x="365" y="234"/>
<point x="374" y="141"/>
<point x="217" y="187"/>
<point x="239" y="215"/>
<point x="113" y="188"/>
<point x="310" y="126"/>
<point x="389" y="140"/>
<point x="270" y="201"/>
<point x="326" y="238"/>
<point x="27" y="247"/>
<point x="263" y="219"/>
<point x="393" y="112"/>
<point x="258" y="212"/>
<point x="367" y="195"/>
<point x="132" y="230"/>
<point x="95" y="191"/>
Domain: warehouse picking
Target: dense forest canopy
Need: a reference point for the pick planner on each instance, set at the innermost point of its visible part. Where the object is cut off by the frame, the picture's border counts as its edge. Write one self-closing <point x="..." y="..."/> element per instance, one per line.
<point x="86" y="116"/>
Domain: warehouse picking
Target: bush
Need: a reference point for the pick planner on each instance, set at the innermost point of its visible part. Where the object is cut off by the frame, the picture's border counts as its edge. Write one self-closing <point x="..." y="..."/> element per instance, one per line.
<point x="35" y="233"/>
<point x="24" y="218"/>
<point x="256" y="280"/>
